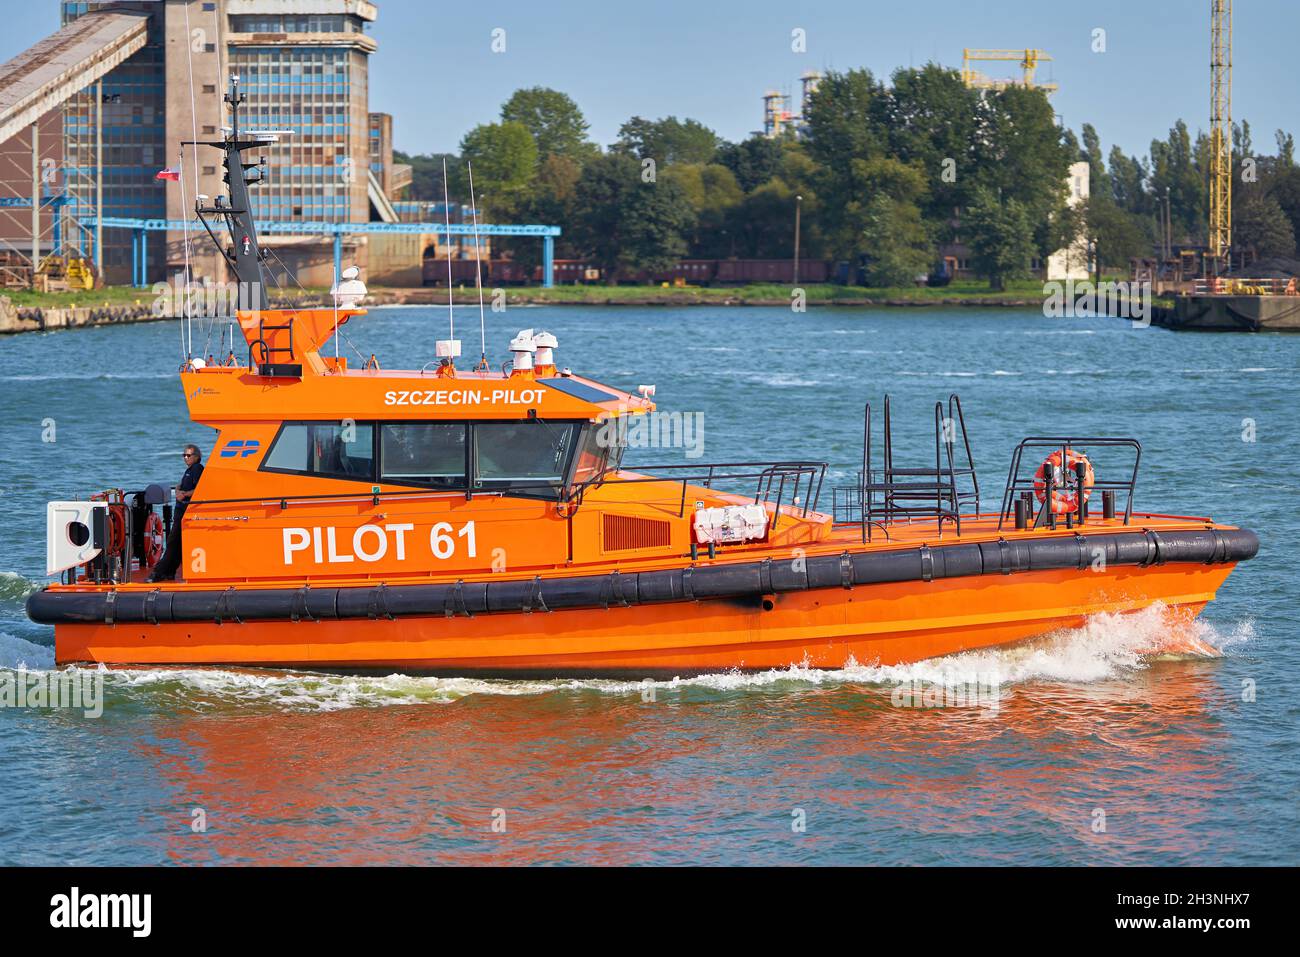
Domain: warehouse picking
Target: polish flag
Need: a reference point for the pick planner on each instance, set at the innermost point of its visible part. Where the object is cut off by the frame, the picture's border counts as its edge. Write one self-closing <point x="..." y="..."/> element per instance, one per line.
<point x="172" y="174"/>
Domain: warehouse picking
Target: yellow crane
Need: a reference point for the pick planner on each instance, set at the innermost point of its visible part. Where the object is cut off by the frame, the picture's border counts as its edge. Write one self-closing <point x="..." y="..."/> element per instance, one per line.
<point x="1220" y="245"/>
<point x="1027" y="58"/>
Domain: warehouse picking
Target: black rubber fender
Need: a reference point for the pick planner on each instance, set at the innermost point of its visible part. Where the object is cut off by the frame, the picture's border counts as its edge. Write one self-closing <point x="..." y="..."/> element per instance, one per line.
<point x="693" y="583"/>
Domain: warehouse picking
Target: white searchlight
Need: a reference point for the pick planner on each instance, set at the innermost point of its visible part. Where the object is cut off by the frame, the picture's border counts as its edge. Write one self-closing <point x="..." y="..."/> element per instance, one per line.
<point x="523" y="347"/>
<point x="546" y="345"/>
<point x="350" y="290"/>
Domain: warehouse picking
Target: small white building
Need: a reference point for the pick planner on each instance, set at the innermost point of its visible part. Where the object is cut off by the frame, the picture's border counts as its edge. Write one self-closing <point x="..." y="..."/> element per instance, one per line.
<point x="1072" y="261"/>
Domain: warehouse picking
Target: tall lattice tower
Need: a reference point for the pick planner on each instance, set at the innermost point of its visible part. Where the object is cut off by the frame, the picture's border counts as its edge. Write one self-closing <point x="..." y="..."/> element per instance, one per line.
<point x="1220" y="130"/>
<point x="776" y="116"/>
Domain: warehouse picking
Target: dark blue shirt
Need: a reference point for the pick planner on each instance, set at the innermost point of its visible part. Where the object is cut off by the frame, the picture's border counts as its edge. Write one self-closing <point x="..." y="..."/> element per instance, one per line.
<point x="189" y="481"/>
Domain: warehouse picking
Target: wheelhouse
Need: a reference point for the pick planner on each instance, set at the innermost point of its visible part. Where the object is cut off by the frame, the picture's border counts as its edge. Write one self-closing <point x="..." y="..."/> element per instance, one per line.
<point x="530" y="457"/>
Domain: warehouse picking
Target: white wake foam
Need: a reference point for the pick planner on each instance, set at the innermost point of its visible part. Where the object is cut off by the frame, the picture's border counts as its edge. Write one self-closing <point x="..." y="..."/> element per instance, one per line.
<point x="1106" y="647"/>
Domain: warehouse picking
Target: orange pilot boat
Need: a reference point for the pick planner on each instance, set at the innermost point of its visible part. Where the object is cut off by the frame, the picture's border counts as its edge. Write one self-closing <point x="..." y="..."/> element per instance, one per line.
<point x="452" y="522"/>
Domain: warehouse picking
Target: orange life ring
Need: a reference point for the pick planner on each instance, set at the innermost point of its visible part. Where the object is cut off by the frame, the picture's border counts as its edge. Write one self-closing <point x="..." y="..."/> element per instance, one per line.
<point x="155" y="540"/>
<point x="1064" y="500"/>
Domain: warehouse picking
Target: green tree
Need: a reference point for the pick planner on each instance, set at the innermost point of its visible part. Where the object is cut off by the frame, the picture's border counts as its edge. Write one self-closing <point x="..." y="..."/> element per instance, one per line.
<point x="1000" y="237"/>
<point x="1022" y="157"/>
<point x="1173" y="168"/>
<point x="549" y="201"/>
<point x="667" y="141"/>
<point x="1285" y="148"/>
<point x="846" y="118"/>
<point x="930" y="115"/>
<point x="656" y="220"/>
<point x="597" y="208"/>
<point x="1285" y="189"/>
<point x="753" y="161"/>
<point x="1128" y="183"/>
<point x="623" y="222"/>
<point x="846" y="138"/>
<point x="896" y="242"/>
<point x="862" y="181"/>
<point x="426" y="174"/>
<point x="553" y="119"/>
<point x="1119" y="234"/>
<point x="762" y="226"/>
<point x="1242" y="146"/>
<point x="1098" y="179"/>
<point x="504" y="159"/>
<point x="1261" y="227"/>
<point x="1072" y="143"/>
<point x="712" y="192"/>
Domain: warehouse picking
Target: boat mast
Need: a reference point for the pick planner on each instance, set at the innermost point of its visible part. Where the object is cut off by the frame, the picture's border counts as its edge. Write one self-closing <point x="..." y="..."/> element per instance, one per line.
<point x="246" y="259"/>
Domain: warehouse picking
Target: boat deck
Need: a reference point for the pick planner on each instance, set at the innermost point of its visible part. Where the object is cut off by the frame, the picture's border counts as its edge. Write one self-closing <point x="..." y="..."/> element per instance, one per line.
<point x="984" y="527"/>
<point x="845" y="537"/>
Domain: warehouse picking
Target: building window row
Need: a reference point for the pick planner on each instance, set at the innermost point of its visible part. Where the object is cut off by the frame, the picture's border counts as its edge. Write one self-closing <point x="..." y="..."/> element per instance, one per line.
<point x="290" y="23"/>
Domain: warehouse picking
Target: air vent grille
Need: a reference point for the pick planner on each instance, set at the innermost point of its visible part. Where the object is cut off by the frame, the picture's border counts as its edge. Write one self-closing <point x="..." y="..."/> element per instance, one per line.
<point x="624" y="532"/>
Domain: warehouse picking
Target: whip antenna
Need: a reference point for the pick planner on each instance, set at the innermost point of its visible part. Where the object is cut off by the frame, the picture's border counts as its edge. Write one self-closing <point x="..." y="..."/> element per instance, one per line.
<point x="186" y="350"/>
<point x="446" y="213"/>
<point x="478" y="268"/>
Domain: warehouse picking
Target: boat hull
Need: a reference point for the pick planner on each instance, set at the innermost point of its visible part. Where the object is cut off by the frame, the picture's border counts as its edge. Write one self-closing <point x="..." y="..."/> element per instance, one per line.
<point x="885" y="623"/>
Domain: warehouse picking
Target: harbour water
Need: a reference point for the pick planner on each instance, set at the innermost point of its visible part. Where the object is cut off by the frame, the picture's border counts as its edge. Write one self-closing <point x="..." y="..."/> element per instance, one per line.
<point x="1094" y="753"/>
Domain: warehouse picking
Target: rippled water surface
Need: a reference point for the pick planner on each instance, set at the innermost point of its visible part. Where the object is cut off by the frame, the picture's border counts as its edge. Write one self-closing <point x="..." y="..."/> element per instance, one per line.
<point x="311" y="769"/>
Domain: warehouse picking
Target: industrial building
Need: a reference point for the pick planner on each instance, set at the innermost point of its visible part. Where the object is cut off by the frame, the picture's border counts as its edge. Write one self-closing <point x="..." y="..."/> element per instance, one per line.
<point x="778" y="118"/>
<point x="92" y="113"/>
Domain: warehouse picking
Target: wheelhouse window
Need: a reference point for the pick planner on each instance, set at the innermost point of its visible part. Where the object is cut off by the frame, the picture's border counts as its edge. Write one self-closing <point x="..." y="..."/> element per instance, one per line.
<point x="333" y="449"/>
<point x="600" y="449"/>
<point x="529" y="457"/>
<point x="423" y="453"/>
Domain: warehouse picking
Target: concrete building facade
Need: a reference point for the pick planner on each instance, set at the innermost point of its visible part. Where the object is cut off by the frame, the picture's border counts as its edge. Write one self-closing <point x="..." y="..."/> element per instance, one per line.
<point x="303" y="66"/>
<point x="1071" y="262"/>
<point x="393" y="178"/>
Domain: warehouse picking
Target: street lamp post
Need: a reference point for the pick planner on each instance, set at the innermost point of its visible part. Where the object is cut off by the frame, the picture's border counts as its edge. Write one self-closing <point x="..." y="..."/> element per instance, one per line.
<point x="1169" y="228"/>
<point x="798" y="204"/>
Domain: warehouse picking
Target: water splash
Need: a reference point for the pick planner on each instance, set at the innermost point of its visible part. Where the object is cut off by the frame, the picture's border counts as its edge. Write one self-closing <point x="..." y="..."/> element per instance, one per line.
<point x="1107" y="646"/>
<point x="18" y="652"/>
<point x="14" y="588"/>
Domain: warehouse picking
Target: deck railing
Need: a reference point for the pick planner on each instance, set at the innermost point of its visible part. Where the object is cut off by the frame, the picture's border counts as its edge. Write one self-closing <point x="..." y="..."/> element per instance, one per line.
<point x="794" y="485"/>
<point x="1029" y="488"/>
<point x="1233" y="286"/>
<point x="896" y="493"/>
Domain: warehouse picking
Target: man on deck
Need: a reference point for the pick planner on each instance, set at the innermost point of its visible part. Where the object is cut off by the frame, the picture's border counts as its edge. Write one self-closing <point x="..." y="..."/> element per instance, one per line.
<point x="166" y="568"/>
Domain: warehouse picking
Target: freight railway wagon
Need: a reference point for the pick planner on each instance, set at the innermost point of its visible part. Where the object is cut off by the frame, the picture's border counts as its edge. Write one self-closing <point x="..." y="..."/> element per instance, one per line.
<point x="464" y="272"/>
<point x="694" y="272"/>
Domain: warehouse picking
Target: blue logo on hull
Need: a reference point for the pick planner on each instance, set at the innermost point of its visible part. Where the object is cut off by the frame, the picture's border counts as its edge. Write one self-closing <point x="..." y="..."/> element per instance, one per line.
<point x="241" y="448"/>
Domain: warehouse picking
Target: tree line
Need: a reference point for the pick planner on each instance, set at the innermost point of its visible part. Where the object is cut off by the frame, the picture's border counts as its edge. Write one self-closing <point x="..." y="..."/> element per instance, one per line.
<point x="885" y="173"/>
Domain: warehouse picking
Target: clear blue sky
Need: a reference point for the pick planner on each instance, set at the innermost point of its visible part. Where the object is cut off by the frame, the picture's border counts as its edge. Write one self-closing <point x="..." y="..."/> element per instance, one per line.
<point x="436" y="74"/>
